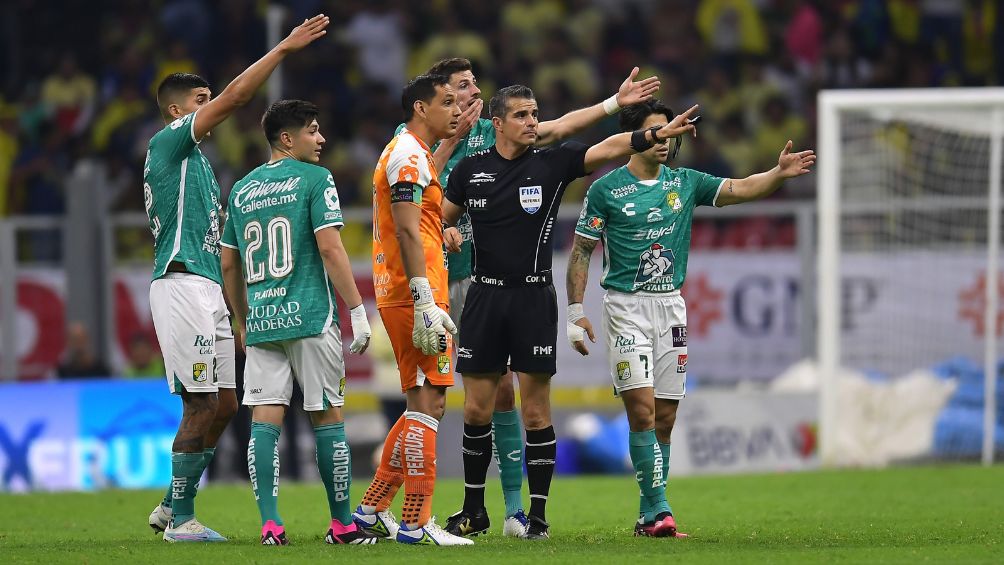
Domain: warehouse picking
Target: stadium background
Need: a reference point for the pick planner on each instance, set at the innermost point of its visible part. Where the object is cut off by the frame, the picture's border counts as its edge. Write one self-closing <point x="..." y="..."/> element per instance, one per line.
<point x="76" y="112"/>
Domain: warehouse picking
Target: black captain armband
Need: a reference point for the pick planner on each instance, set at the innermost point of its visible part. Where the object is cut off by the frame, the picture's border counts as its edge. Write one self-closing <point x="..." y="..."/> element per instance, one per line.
<point x="638" y="141"/>
<point x="405" y="192"/>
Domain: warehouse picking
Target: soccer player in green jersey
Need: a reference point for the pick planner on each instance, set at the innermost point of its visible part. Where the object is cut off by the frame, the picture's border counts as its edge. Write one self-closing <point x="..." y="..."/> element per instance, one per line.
<point x="281" y="247"/>
<point x="189" y="311"/>
<point x="477" y="134"/>
<point x="642" y="213"/>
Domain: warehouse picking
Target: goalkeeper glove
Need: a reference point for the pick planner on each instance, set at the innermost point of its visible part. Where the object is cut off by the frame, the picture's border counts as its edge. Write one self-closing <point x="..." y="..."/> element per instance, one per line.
<point x="360" y="329"/>
<point x="431" y="321"/>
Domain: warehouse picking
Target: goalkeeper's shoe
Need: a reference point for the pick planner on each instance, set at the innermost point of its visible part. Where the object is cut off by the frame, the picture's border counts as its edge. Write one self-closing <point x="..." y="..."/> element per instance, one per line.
<point x="383" y="524"/>
<point x="350" y="534"/>
<point x="515" y="525"/>
<point x="430" y="534"/>
<point x="659" y="528"/>
<point x="160" y="518"/>
<point x="191" y="531"/>
<point x="464" y="523"/>
<point x="537" y="529"/>
<point x="273" y="534"/>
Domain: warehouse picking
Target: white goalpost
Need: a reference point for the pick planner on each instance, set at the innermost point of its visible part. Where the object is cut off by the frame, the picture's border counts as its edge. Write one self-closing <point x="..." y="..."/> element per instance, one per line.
<point x="908" y="268"/>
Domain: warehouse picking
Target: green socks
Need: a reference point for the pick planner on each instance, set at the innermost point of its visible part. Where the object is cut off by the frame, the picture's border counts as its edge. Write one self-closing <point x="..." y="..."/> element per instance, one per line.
<point x="263" y="466"/>
<point x="207" y="455"/>
<point x="334" y="463"/>
<point x="664" y="447"/>
<point x="646" y="457"/>
<point x="509" y="454"/>
<point x="186" y="469"/>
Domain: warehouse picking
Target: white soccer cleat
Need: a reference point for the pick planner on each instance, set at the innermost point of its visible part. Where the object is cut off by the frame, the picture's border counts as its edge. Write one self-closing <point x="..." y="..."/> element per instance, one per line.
<point x="383" y="524"/>
<point x="160" y="518"/>
<point x="515" y="525"/>
<point x="430" y="534"/>
<point x="191" y="531"/>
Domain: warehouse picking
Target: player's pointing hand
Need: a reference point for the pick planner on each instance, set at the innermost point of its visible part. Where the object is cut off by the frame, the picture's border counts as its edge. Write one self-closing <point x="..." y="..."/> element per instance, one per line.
<point x="305" y="33"/>
<point x="679" y="125"/>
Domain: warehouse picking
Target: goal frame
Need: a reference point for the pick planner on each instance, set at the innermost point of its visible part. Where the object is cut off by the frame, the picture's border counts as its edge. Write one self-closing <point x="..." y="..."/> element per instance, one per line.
<point x="830" y="105"/>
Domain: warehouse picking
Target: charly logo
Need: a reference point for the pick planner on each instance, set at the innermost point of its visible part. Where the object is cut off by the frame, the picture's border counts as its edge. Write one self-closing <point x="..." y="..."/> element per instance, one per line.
<point x="257" y="189"/>
<point x="531" y="198"/>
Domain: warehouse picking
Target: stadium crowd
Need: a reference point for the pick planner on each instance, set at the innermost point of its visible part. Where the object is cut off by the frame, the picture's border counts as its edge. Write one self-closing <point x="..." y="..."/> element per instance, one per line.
<point x="84" y="90"/>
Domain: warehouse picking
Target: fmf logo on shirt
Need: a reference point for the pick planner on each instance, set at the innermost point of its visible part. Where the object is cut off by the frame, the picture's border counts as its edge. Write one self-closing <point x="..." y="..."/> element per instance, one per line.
<point x="530" y="198"/>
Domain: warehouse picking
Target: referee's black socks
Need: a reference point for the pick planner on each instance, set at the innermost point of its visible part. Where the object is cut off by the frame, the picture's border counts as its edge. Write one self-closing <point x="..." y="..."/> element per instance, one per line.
<point x="541" y="449"/>
<point x="477" y="449"/>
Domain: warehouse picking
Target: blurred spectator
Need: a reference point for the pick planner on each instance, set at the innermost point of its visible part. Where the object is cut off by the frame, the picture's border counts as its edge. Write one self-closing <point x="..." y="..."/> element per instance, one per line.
<point x="80" y="360"/>
<point x="718" y="98"/>
<point x="142" y="358"/>
<point x="69" y="95"/>
<point x="804" y="35"/>
<point x="736" y="147"/>
<point x="525" y="24"/>
<point x="377" y="33"/>
<point x="564" y="70"/>
<point x="732" y="27"/>
<point x="449" y="39"/>
<point x="778" y="127"/>
<point x="123" y="108"/>
<point x="842" y="66"/>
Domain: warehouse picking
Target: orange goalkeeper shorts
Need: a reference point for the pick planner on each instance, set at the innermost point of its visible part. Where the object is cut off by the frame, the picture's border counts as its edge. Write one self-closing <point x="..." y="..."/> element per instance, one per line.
<point x="414" y="367"/>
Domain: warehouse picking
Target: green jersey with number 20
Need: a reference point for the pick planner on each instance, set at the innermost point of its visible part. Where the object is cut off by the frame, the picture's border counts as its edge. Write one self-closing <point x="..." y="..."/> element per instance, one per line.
<point x="272" y="216"/>
<point x="481" y="137"/>
<point x="645" y="225"/>
<point x="182" y="202"/>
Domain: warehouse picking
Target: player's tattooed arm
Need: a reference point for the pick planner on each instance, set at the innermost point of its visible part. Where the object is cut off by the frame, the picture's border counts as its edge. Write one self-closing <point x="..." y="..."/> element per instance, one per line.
<point x="578" y="268"/>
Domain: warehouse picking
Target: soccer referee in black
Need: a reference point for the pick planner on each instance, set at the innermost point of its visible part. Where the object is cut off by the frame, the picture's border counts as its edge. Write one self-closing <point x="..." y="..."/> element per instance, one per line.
<point x="512" y="192"/>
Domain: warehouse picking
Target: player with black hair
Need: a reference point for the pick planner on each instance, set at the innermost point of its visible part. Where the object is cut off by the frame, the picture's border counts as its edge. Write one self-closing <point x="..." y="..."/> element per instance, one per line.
<point x="189" y="311"/>
<point x="511" y="192"/>
<point x="642" y="212"/>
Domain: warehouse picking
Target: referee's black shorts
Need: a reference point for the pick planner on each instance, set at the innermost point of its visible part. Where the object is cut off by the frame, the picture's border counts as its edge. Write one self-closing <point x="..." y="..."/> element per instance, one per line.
<point x="518" y="324"/>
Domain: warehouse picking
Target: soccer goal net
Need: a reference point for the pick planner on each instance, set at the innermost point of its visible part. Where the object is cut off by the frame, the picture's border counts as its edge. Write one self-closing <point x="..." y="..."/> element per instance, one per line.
<point x="908" y="282"/>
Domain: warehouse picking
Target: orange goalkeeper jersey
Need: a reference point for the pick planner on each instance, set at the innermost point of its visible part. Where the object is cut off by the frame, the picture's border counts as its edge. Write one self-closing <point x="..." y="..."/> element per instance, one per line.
<point x="407" y="173"/>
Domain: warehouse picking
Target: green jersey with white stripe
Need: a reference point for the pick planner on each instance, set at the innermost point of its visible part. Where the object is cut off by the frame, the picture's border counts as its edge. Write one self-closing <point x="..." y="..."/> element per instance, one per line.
<point x="481" y="137"/>
<point x="645" y="225"/>
<point x="182" y="202"/>
<point x="272" y="216"/>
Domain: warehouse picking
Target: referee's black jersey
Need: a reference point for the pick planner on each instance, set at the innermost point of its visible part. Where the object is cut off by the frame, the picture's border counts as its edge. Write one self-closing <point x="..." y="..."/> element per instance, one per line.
<point x="512" y="205"/>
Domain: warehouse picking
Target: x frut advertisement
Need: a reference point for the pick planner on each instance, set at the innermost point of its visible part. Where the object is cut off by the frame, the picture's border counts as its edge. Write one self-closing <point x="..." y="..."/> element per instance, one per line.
<point x="86" y="435"/>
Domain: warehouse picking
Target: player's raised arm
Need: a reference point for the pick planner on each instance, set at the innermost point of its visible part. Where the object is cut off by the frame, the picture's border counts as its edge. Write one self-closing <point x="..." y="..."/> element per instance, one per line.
<point x="627" y="143"/>
<point x="630" y="92"/>
<point x="241" y="90"/>
<point x="759" y="185"/>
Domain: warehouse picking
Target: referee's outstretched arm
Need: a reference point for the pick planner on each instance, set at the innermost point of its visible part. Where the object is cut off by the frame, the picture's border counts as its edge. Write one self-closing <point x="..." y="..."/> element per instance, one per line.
<point x="628" y="143"/>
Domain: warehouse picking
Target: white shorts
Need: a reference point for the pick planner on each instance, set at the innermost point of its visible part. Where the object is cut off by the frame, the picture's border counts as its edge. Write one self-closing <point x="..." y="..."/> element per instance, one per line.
<point x="315" y="362"/>
<point x="458" y="294"/>
<point x="193" y="328"/>
<point x="647" y="342"/>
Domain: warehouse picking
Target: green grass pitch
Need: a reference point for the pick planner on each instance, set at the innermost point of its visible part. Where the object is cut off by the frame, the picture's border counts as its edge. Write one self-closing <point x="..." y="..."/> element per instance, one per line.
<point x="941" y="514"/>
